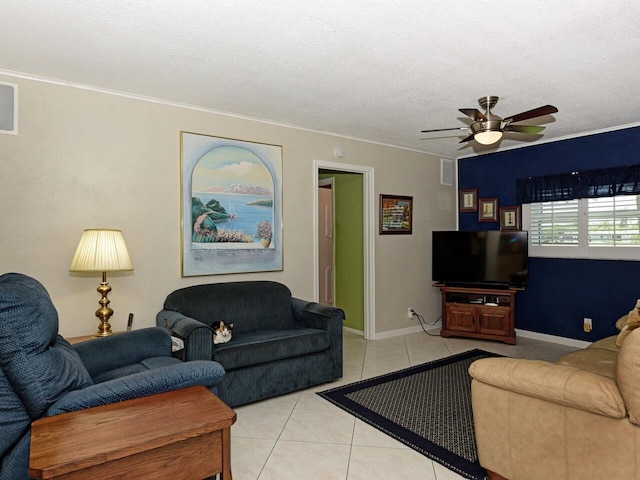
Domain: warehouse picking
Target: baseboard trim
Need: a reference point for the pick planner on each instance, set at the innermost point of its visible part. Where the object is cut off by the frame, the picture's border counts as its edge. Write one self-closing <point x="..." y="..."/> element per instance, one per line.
<point x="571" y="342"/>
<point x="353" y="330"/>
<point x="405" y="331"/>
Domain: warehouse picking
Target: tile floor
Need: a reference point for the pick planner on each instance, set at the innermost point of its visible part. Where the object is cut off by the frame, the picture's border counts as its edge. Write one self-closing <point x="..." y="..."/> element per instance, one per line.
<point x="304" y="437"/>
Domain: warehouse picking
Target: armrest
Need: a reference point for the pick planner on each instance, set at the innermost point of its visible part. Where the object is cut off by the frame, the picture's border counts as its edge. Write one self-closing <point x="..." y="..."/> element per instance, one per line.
<point x="198" y="340"/>
<point x="150" y="382"/>
<point x="123" y="349"/>
<point x="559" y="384"/>
<point x="317" y="315"/>
<point x="324" y="317"/>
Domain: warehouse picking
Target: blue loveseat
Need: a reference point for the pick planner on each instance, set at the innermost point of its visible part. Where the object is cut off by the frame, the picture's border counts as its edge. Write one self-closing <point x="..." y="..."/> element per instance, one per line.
<point x="280" y="344"/>
<point x="41" y="374"/>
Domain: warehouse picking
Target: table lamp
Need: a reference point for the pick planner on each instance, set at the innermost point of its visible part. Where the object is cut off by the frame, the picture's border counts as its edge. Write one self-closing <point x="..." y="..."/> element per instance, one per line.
<point x="102" y="250"/>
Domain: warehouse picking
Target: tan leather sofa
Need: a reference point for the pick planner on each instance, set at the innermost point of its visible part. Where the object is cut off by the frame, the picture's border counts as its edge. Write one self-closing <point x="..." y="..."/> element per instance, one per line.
<point x="575" y="419"/>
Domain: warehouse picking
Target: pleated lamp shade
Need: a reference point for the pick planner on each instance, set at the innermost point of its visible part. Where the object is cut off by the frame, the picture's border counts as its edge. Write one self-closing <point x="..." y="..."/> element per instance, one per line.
<point x="101" y="250"/>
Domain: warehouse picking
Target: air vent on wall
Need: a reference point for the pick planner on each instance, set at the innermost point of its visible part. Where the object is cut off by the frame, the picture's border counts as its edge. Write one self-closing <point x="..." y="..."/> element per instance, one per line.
<point x="8" y="108"/>
<point x="446" y="171"/>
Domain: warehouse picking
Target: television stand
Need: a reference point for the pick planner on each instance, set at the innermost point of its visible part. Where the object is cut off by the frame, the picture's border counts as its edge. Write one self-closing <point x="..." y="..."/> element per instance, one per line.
<point x="476" y="312"/>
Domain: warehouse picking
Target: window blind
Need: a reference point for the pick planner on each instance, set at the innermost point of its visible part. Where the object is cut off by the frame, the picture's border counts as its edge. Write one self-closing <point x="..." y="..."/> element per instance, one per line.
<point x="554" y="223"/>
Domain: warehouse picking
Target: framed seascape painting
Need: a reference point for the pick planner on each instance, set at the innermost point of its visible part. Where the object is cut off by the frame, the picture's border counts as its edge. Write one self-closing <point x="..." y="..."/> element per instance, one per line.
<point x="231" y="203"/>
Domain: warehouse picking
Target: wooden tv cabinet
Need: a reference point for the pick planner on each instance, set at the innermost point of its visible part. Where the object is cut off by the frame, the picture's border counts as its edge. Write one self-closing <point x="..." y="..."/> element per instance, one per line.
<point x="478" y="313"/>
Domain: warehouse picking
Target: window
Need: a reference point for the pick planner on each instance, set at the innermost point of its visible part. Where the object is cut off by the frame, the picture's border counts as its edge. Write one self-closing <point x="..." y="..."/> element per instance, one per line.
<point x="554" y="223"/>
<point x="603" y="227"/>
<point x="613" y="221"/>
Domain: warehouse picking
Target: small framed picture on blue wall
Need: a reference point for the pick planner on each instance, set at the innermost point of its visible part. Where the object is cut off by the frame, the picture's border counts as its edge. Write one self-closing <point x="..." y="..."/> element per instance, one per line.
<point x="469" y="200"/>
<point x="488" y="210"/>
<point x="510" y="218"/>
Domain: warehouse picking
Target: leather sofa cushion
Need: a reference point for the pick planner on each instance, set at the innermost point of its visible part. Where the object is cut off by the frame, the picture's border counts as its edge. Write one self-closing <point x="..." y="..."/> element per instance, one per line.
<point x="628" y="375"/>
<point x="596" y="360"/>
<point x="270" y="345"/>
<point x="608" y="343"/>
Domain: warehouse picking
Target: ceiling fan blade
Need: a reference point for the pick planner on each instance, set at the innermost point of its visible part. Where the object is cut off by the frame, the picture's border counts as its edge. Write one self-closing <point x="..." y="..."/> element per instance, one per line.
<point x="473" y="113"/>
<point x="536" y="112"/>
<point x="467" y="139"/>
<point x="529" y="129"/>
<point x="443" y="129"/>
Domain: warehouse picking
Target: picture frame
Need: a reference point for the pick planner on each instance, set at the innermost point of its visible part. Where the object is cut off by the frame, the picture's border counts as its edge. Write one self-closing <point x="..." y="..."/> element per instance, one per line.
<point x="469" y="200"/>
<point x="231" y="205"/>
<point x="510" y="218"/>
<point x="488" y="210"/>
<point x="396" y="214"/>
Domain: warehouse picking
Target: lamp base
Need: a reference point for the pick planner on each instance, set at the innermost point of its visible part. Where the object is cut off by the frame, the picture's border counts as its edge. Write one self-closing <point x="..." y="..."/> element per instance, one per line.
<point x="104" y="330"/>
<point x="104" y="312"/>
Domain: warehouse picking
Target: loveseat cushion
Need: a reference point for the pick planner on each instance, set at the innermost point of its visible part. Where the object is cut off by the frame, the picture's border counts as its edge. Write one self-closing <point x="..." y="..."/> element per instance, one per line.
<point x="268" y="346"/>
<point x="251" y="306"/>
<point x="40" y="365"/>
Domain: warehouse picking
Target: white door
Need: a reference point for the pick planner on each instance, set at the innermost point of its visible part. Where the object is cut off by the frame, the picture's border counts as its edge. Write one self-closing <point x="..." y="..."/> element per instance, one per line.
<point x="325" y="242"/>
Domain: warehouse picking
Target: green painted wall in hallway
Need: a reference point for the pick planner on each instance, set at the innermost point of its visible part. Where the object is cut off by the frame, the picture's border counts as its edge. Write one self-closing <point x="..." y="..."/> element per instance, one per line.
<point x="349" y="246"/>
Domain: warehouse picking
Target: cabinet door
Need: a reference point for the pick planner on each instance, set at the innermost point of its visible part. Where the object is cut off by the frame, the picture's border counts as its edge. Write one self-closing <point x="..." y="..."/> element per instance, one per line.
<point x="493" y="320"/>
<point x="460" y="318"/>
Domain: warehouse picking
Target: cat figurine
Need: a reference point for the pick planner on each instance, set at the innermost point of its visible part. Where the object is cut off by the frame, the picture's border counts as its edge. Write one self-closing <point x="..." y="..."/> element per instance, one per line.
<point x="221" y="332"/>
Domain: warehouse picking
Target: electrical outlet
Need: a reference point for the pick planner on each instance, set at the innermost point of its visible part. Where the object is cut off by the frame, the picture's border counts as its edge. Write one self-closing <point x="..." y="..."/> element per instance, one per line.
<point x="587" y="324"/>
<point x="410" y="312"/>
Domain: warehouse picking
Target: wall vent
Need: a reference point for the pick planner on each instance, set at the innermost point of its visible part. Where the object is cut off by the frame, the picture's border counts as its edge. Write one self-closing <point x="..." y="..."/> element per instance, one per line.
<point x="446" y="171"/>
<point x="8" y="108"/>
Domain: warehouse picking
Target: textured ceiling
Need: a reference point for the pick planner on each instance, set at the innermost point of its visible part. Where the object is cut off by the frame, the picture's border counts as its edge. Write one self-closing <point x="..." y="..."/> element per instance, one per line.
<point x="375" y="70"/>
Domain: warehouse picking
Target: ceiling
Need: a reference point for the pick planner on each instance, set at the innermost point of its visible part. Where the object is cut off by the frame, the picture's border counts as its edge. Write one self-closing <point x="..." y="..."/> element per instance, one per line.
<point x="369" y="69"/>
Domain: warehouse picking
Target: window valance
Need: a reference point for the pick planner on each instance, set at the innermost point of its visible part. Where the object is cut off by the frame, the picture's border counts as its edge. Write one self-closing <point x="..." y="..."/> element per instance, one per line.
<point x="606" y="182"/>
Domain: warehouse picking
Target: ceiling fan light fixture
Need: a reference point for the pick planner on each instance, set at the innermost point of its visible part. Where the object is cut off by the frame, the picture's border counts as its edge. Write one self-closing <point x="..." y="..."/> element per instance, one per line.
<point x="488" y="137"/>
<point x="488" y="132"/>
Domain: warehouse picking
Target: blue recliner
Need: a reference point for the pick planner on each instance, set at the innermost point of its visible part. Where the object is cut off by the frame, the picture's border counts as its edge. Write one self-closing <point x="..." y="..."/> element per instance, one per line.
<point x="42" y="374"/>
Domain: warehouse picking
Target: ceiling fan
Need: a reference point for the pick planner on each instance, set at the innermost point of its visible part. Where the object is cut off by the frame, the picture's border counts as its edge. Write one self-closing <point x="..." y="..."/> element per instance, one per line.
<point x="488" y="128"/>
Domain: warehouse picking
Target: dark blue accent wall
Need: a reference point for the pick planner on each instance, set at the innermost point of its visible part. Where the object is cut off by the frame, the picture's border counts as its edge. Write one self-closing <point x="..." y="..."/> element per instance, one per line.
<point x="561" y="291"/>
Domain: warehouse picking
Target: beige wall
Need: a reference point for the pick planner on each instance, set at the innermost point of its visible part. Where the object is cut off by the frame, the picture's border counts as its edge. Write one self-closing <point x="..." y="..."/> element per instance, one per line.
<point x="87" y="159"/>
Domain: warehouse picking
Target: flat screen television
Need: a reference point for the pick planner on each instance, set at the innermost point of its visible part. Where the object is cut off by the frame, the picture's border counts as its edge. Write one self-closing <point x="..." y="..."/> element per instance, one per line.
<point x="480" y="258"/>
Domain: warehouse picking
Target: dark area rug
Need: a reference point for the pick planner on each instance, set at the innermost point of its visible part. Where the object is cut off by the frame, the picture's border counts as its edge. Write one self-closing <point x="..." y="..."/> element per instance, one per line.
<point x="426" y="407"/>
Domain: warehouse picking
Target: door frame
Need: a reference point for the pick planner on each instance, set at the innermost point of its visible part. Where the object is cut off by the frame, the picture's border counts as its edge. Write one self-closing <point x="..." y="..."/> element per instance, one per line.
<point x="368" y="236"/>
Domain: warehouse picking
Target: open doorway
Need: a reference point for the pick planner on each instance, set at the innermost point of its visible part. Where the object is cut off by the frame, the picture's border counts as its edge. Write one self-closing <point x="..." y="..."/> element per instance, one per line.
<point x="352" y="274"/>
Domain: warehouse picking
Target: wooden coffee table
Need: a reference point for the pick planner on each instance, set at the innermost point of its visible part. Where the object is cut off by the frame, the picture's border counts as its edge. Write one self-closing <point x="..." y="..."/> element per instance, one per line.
<point x="180" y="434"/>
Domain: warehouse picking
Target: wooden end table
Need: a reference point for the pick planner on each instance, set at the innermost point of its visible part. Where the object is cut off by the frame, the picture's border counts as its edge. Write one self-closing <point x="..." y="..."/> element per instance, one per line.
<point x="181" y="434"/>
